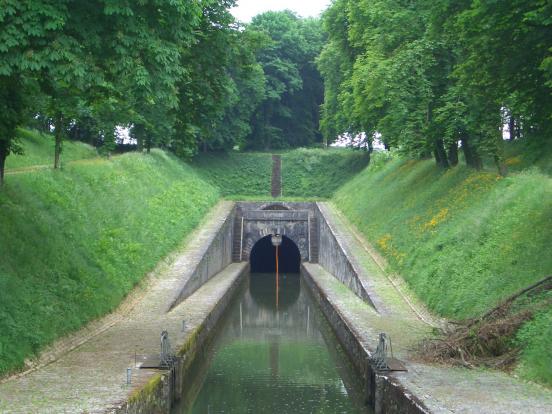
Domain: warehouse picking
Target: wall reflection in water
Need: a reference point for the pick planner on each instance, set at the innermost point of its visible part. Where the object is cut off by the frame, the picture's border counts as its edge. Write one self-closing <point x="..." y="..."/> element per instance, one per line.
<point x="268" y="360"/>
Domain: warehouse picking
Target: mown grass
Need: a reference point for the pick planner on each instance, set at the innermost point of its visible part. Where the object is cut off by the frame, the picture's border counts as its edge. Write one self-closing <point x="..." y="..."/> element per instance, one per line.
<point x="38" y="149"/>
<point x="464" y="240"/>
<point x="236" y="173"/>
<point x="306" y="173"/>
<point x="75" y="242"/>
<point x="319" y="172"/>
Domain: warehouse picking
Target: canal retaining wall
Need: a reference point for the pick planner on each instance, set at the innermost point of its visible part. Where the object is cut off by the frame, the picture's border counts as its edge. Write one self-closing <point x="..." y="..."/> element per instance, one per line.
<point x="216" y="255"/>
<point x="335" y="257"/>
<point x="384" y="395"/>
<point x="164" y="388"/>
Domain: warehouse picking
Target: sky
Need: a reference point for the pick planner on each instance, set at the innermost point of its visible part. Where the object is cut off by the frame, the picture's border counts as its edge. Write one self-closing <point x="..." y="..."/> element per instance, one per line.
<point x="246" y="9"/>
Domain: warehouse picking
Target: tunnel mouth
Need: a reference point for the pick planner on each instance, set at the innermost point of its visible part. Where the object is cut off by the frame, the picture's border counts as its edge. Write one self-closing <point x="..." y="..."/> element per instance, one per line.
<point x="263" y="256"/>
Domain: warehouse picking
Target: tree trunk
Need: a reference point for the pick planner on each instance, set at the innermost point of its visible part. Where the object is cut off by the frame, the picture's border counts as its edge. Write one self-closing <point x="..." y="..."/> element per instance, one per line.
<point x="3" y="156"/>
<point x="512" y="127"/>
<point x="440" y="154"/>
<point x="500" y="166"/>
<point x="453" y="154"/>
<point x="59" y="138"/>
<point x="470" y="153"/>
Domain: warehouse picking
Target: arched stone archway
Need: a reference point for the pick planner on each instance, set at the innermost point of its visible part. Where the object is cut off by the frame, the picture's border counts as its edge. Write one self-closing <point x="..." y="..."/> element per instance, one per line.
<point x="275" y="207"/>
<point x="263" y="256"/>
<point x="260" y="224"/>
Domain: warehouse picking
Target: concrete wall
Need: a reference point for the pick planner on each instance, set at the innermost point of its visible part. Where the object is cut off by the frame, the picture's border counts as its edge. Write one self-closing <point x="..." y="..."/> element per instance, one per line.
<point x="215" y="256"/>
<point x="336" y="260"/>
<point x="160" y="393"/>
<point x="383" y="394"/>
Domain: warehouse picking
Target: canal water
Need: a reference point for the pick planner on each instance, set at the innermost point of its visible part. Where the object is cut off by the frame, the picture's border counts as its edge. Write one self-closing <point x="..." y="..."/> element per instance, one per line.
<point x="273" y="353"/>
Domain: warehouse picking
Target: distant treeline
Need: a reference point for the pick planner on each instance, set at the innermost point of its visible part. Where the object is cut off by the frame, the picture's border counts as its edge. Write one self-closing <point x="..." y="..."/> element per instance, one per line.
<point x="182" y="75"/>
<point x="428" y="74"/>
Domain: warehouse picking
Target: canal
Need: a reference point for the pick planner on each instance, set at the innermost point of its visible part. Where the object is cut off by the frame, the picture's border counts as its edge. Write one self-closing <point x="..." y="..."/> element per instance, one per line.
<point x="273" y="352"/>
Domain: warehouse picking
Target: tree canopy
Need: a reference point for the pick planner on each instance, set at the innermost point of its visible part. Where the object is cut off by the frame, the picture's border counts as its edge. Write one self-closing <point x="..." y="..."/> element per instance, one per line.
<point x="429" y="74"/>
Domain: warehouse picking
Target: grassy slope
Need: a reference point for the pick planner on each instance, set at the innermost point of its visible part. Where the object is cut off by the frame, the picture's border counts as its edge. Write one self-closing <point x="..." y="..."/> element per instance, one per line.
<point x="39" y="150"/>
<point x="306" y="173"/>
<point x="319" y="172"/>
<point x="74" y="242"/>
<point x="463" y="240"/>
<point x="236" y="174"/>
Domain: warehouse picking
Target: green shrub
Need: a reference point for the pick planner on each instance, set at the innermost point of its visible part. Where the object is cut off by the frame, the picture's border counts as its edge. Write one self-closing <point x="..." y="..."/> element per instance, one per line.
<point x="536" y="358"/>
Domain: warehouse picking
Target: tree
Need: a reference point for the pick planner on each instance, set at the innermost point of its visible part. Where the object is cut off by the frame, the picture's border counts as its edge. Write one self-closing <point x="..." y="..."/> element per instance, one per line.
<point x="288" y="114"/>
<point x="11" y="116"/>
<point x="102" y="52"/>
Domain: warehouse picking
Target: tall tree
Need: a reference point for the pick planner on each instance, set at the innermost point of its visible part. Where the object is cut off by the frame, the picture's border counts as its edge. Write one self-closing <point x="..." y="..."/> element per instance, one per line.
<point x="288" y="115"/>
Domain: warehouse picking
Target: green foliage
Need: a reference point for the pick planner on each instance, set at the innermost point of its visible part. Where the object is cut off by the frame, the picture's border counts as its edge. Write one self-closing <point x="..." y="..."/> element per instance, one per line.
<point x="319" y="172"/>
<point x="37" y="149"/>
<point x="463" y="240"/>
<point x="536" y="358"/>
<point x="306" y="173"/>
<point x="220" y="89"/>
<point x="428" y="74"/>
<point x="236" y="173"/>
<point x="288" y="116"/>
<point x="76" y="241"/>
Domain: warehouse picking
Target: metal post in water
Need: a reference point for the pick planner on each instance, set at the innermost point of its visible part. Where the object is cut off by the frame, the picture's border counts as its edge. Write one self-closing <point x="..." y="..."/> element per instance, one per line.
<point x="241" y="320"/>
<point x="277" y="277"/>
<point x="276" y="242"/>
<point x="308" y="319"/>
<point x="129" y="376"/>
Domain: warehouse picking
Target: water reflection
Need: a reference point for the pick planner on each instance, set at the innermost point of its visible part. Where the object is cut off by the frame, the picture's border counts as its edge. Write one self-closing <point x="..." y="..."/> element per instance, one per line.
<point x="266" y="360"/>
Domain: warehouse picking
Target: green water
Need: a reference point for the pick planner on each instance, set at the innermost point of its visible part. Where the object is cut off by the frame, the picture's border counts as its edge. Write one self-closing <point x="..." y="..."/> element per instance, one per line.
<point x="272" y="359"/>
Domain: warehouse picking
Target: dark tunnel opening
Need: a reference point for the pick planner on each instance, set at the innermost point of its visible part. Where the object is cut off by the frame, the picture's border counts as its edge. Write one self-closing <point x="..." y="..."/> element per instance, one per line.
<point x="263" y="256"/>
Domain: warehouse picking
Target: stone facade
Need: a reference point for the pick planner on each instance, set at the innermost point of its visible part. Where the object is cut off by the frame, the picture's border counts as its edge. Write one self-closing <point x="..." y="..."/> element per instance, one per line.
<point x="258" y="220"/>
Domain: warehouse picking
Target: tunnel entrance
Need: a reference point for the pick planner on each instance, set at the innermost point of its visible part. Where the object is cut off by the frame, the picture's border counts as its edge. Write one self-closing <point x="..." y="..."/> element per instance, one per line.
<point x="263" y="256"/>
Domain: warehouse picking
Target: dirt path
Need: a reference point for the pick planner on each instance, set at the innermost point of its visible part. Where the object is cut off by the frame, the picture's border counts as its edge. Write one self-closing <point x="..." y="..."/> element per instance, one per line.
<point x="34" y="168"/>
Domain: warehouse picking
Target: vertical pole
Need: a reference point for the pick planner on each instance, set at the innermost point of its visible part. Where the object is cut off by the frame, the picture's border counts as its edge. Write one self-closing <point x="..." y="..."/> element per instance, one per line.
<point x="309" y="236"/>
<point x="241" y="320"/>
<point x="241" y="240"/>
<point x="277" y="277"/>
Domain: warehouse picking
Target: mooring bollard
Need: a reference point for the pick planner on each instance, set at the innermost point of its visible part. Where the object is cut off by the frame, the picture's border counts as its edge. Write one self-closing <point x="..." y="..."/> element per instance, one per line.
<point x="129" y="376"/>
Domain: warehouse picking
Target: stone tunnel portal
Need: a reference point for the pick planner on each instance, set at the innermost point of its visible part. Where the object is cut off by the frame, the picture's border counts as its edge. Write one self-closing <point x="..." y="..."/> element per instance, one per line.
<point x="263" y="256"/>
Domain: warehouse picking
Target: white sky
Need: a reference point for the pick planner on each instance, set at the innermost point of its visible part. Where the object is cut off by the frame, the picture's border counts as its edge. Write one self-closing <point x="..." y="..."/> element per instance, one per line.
<point x="246" y="9"/>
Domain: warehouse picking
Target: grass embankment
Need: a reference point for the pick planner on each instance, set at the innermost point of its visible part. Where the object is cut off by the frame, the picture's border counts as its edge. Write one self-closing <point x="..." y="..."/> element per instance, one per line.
<point x="38" y="150"/>
<point x="236" y="174"/>
<point x="463" y="240"/>
<point x="75" y="242"/>
<point x="319" y="172"/>
<point x="306" y="173"/>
